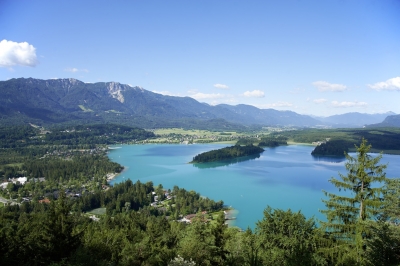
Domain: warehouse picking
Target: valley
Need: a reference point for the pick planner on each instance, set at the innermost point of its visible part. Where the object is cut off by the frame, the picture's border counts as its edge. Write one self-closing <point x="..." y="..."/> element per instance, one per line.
<point x="69" y="169"/>
<point x="199" y="133"/>
<point x="114" y="159"/>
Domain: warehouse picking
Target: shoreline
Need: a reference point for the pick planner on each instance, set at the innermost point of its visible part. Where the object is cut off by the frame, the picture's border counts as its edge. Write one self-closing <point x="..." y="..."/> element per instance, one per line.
<point x="300" y="143"/>
<point x="112" y="176"/>
<point x="231" y="215"/>
<point x="230" y="212"/>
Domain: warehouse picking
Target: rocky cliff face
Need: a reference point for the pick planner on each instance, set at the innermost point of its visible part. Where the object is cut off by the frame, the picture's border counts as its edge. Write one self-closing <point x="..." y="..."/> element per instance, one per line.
<point x="115" y="90"/>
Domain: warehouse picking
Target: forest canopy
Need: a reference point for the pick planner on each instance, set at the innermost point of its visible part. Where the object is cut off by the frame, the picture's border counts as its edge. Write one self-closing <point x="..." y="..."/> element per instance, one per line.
<point x="227" y="153"/>
<point x="133" y="230"/>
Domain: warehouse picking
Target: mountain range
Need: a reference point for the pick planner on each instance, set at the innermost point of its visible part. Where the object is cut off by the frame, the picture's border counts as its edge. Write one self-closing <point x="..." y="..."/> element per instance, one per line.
<point x="353" y="119"/>
<point x="68" y="101"/>
<point x="390" y="121"/>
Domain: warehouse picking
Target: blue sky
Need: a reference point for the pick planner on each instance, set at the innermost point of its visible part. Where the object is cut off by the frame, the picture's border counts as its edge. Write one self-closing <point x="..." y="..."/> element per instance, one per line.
<point x="311" y="57"/>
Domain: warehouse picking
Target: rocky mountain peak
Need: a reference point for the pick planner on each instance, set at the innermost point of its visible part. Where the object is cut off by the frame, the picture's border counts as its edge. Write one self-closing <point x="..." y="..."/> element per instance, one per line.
<point x="115" y="90"/>
<point x="64" y="83"/>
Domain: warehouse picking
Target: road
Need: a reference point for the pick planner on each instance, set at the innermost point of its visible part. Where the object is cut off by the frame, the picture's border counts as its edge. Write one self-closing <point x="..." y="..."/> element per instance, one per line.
<point x="4" y="200"/>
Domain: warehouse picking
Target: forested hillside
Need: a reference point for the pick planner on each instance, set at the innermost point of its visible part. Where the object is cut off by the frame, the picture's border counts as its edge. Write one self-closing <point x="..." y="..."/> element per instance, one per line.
<point x="332" y="148"/>
<point x="390" y="121"/>
<point x="62" y="153"/>
<point x="341" y="140"/>
<point x="71" y="102"/>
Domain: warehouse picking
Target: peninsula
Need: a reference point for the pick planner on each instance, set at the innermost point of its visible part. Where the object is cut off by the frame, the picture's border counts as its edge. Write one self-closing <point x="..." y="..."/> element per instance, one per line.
<point x="227" y="153"/>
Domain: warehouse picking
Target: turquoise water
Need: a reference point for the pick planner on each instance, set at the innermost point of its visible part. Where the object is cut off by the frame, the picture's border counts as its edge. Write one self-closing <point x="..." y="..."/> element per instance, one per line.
<point x="283" y="177"/>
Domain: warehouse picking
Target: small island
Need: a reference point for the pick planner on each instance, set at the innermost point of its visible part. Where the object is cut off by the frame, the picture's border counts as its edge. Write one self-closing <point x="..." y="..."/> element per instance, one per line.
<point x="227" y="153"/>
<point x="332" y="148"/>
<point x="273" y="141"/>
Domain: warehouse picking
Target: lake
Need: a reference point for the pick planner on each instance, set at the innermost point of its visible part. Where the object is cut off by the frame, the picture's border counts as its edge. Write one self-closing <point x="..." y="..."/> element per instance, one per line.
<point x="285" y="177"/>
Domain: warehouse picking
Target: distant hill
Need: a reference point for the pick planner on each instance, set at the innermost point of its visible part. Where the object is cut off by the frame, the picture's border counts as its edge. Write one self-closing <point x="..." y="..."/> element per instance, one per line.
<point x="390" y="121"/>
<point x="247" y="114"/>
<point x="69" y="101"/>
<point x="353" y="119"/>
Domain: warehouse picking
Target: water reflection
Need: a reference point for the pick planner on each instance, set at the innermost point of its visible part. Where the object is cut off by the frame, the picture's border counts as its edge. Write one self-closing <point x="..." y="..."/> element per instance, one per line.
<point x="329" y="159"/>
<point x="226" y="162"/>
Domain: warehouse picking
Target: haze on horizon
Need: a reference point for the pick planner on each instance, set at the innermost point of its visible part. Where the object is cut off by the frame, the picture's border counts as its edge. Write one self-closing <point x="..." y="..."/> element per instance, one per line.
<point x="311" y="57"/>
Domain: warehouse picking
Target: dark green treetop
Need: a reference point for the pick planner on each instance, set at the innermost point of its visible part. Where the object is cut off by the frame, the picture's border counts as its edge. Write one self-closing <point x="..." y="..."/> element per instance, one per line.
<point x="347" y="214"/>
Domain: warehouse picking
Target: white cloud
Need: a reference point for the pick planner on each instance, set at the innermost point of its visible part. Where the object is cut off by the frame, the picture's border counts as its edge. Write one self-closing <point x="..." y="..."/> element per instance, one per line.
<point x="221" y="86"/>
<point x="255" y="94"/>
<point x="392" y="84"/>
<point x="211" y="98"/>
<point x="73" y="70"/>
<point x="275" y="105"/>
<point x="202" y="96"/>
<point x="13" y="53"/>
<point x="326" y="86"/>
<point x="320" y="100"/>
<point x="348" y="104"/>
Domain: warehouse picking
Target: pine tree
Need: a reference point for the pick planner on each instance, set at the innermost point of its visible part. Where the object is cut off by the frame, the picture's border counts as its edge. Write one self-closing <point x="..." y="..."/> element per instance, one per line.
<point x="347" y="214"/>
<point x="287" y="238"/>
<point x="219" y="231"/>
<point x="391" y="207"/>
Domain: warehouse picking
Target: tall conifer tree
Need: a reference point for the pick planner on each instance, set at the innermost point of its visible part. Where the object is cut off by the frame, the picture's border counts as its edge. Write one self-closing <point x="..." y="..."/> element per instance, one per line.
<point x="347" y="214"/>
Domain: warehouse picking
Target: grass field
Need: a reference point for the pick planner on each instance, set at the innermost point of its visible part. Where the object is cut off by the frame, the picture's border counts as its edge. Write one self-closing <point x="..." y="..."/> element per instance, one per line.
<point x="14" y="164"/>
<point x="83" y="108"/>
<point x="181" y="131"/>
<point x="98" y="211"/>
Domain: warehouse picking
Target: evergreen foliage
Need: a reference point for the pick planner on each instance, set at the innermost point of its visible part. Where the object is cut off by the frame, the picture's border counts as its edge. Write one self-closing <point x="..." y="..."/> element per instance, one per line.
<point x="187" y="202"/>
<point x="332" y="148"/>
<point x="226" y="153"/>
<point x="86" y="166"/>
<point x="131" y="232"/>
<point x="247" y="141"/>
<point x="286" y="238"/>
<point x="59" y="234"/>
<point x="391" y="202"/>
<point x="273" y="141"/>
<point x="97" y="134"/>
<point x="347" y="214"/>
<point x="382" y="244"/>
<point x="386" y="139"/>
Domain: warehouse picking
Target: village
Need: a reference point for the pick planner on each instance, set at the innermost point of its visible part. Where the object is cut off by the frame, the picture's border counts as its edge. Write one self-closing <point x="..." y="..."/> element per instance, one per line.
<point x="162" y="200"/>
